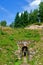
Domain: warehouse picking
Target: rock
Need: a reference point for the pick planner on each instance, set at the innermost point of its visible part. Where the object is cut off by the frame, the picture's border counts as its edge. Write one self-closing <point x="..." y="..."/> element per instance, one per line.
<point x="10" y="62"/>
<point x="30" y="49"/>
<point x="40" y="63"/>
<point x="34" y="53"/>
<point x="30" y="57"/>
<point x="0" y="49"/>
<point x="5" y="64"/>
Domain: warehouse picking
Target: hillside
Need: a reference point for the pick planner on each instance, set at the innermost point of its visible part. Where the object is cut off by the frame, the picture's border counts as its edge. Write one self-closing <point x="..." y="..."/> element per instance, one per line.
<point x="8" y="45"/>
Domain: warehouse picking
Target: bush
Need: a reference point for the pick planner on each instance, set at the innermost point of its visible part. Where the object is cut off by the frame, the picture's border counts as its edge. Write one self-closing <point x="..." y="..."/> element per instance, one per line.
<point x="38" y="23"/>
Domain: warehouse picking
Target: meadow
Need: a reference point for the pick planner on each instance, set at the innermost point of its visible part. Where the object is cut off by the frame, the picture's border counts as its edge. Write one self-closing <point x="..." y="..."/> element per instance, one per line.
<point x="8" y="45"/>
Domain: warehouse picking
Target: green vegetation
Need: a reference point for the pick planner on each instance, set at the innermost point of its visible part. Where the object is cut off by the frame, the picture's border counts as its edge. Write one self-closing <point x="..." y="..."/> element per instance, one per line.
<point x="7" y="48"/>
<point x="38" y="57"/>
<point x="26" y="18"/>
<point x="3" y="23"/>
<point x="9" y="38"/>
<point x="8" y="44"/>
<point x="41" y="11"/>
<point x="21" y="21"/>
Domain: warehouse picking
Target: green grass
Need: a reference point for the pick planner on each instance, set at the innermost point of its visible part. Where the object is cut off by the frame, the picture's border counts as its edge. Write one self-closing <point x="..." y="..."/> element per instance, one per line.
<point x="8" y="44"/>
<point x="18" y="63"/>
<point x="22" y="34"/>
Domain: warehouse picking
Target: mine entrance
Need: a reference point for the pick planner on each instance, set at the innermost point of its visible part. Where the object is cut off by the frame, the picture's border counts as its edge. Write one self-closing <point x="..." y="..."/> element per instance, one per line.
<point x="24" y="50"/>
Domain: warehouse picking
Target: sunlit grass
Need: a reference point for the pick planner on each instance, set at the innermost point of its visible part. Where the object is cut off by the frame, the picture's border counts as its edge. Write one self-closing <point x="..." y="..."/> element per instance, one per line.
<point x="8" y="45"/>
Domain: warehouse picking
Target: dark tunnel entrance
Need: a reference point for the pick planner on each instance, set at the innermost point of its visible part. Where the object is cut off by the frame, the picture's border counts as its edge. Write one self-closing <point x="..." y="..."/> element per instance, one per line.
<point x="24" y="50"/>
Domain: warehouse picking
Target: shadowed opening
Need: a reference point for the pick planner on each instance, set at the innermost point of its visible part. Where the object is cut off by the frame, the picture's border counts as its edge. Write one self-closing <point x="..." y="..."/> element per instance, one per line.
<point x="24" y="50"/>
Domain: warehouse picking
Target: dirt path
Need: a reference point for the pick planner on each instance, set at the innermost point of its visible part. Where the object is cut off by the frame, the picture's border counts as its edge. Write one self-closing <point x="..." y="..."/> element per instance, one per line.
<point x="25" y="61"/>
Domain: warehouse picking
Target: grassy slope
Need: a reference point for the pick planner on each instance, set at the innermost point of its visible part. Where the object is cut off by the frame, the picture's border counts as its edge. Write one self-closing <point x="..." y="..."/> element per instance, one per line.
<point x="8" y="44"/>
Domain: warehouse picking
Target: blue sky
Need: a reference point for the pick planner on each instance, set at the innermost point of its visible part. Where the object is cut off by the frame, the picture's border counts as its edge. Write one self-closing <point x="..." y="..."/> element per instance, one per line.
<point x="9" y="8"/>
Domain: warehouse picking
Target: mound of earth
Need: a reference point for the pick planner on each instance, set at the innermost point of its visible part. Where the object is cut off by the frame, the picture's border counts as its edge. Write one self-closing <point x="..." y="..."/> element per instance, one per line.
<point x="35" y="27"/>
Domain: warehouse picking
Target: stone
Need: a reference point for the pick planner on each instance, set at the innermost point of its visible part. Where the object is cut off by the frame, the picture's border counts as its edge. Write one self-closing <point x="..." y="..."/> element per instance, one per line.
<point x="5" y="64"/>
<point x="30" y="57"/>
<point x="10" y="62"/>
<point x="0" y="49"/>
<point x="40" y="63"/>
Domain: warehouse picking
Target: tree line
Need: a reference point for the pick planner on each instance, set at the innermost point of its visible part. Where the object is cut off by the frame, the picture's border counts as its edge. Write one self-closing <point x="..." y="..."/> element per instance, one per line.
<point x="26" y="18"/>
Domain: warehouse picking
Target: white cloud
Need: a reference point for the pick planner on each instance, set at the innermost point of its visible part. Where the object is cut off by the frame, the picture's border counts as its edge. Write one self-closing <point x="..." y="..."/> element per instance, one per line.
<point x="36" y="2"/>
<point x="31" y="5"/>
<point x="5" y="10"/>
